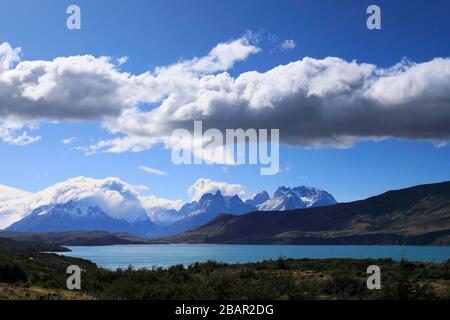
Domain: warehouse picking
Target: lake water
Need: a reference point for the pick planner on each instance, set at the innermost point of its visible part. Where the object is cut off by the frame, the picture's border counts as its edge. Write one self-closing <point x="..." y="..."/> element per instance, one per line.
<point x="165" y="255"/>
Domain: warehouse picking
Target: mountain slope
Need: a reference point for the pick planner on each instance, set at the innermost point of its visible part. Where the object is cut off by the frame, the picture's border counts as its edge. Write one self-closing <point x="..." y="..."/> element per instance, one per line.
<point x="418" y="215"/>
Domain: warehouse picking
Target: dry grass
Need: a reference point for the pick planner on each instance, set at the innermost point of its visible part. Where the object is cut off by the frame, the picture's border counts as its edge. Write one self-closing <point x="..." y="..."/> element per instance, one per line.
<point x="11" y="292"/>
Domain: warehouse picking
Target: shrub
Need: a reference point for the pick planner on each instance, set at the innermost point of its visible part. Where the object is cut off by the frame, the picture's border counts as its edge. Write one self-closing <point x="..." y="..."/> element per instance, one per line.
<point x="12" y="273"/>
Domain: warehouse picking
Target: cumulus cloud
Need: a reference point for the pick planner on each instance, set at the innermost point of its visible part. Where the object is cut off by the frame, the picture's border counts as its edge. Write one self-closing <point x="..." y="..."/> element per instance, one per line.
<point x="326" y="102"/>
<point x="8" y="56"/>
<point x="202" y="186"/>
<point x="66" y="88"/>
<point x="314" y="102"/>
<point x="153" y="171"/>
<point x="87" y="88"/>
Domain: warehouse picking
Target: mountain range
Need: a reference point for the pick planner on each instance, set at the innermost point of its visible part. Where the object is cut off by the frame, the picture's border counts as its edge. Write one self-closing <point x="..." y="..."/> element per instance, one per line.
<point x="79" y="216"/>
<point x="417" y="215"/>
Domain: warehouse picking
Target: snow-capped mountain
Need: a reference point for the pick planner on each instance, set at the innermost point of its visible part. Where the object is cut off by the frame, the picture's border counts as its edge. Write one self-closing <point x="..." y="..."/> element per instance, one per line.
<point x="314" y="197"/>
<point x="296" y="198"/>
<point x="81" y="204"/>
<point x="85" y="204"/>
<point x="73" y="216"/>
<point x="198" y="213"/>
<point x="215" y="202"/>
<point x="258" y="199"/>
<point x="283" y="199"/>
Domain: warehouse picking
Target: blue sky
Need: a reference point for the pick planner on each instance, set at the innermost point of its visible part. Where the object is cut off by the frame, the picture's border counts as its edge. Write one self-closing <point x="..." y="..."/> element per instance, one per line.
<point x="160" y="33"/>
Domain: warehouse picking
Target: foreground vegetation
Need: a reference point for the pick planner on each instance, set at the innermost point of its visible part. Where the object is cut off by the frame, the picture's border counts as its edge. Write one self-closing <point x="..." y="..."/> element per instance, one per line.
<point x="281" y="279"/>
<point x="28" y="274"/>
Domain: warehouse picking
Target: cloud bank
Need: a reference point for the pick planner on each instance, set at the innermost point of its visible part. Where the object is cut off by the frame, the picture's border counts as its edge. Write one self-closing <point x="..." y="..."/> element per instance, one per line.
<point x="326" y="102"/>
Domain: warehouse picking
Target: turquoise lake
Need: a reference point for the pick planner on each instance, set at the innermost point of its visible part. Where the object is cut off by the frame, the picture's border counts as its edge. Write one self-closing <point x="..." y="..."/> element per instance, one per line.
<point x="165" y="255"/>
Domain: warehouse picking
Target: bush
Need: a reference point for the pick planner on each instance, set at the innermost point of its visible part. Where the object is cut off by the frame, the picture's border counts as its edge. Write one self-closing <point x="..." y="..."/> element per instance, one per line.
<point x="344" y="285"/>
<point x="12" y="273"/>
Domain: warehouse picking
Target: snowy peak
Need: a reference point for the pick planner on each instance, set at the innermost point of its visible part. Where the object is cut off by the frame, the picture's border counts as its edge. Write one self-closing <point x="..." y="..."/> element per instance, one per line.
<point x="258" y="199"/>
<point x="214" y="204"/>
<point x="283" y="199"/>
<point x="286" y="198"/>
<point x="314" y="197"/>
<point x="73" y="216"/>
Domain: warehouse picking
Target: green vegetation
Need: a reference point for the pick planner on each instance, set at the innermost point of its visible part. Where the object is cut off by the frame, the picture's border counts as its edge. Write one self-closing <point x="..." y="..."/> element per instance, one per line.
<point x="11" y="273"/>
<point x="25" y="273"/>
<point x="43" y="276"/>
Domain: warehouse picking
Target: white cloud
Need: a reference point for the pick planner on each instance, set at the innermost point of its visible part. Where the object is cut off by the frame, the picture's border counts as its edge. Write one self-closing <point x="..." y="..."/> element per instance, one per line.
<point x="89" y="88"/>
<point x="12" y="205"/>
<point x="8" y="56"/>
<point x="162" y="210"/>
<point x="288" y="45"/>
<point x="315" y="103"/>
<point x="153" y="202"/>
<point x="153" y="171"/>
<point x="66" y="88"/>
<point x="122" y="60"/>
<point x="69" y="140"/>
<point x="202" y="186"/>
<point x="22" y="139"/>
<point x="326" y="102"/>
